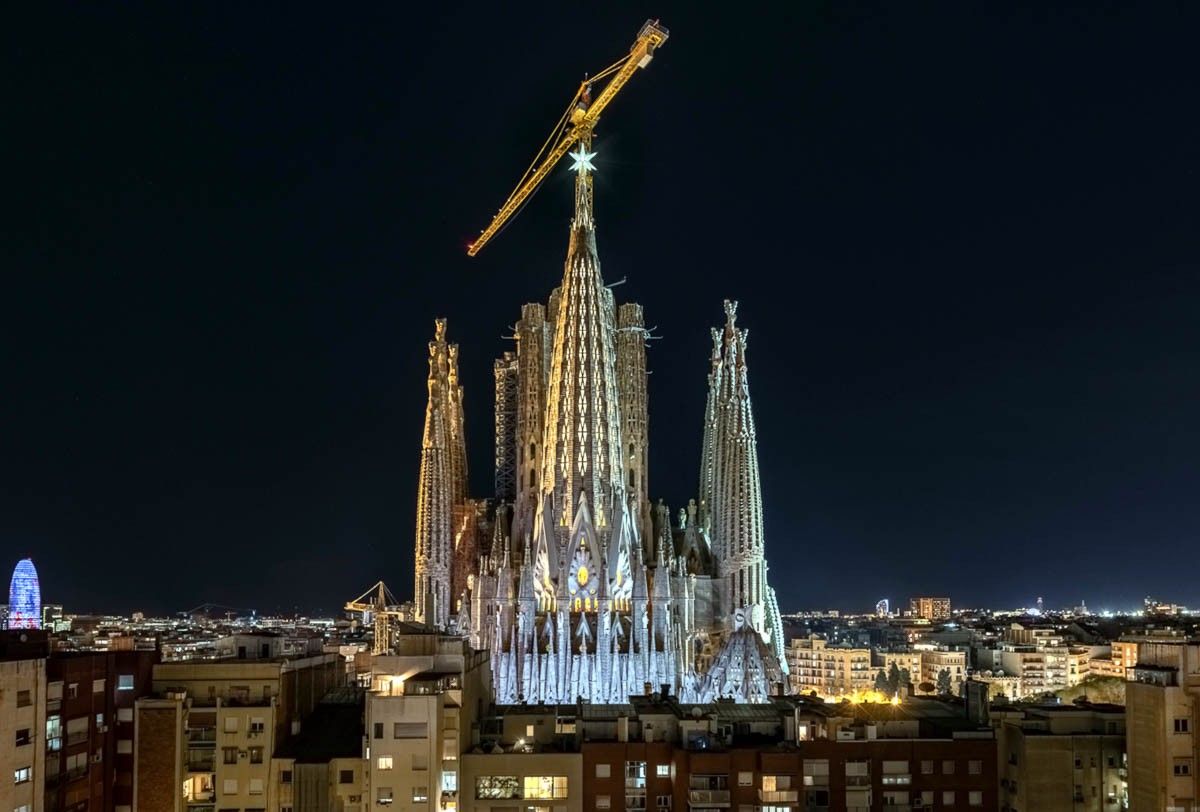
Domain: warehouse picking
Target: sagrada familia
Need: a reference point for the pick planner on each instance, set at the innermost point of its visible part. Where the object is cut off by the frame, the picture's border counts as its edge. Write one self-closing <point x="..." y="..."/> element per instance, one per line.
<point x="577" y="585"/>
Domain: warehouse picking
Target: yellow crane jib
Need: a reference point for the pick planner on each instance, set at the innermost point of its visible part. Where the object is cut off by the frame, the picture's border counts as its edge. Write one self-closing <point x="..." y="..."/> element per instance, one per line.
<point x="576" y="123"/>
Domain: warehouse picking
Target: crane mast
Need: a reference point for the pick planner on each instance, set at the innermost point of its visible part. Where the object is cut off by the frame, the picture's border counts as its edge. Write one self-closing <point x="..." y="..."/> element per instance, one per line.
<point x="576" y="125"/>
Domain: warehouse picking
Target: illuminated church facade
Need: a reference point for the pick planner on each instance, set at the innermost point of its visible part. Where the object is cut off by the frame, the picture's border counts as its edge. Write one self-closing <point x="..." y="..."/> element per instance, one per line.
<point x="577" y="585"/>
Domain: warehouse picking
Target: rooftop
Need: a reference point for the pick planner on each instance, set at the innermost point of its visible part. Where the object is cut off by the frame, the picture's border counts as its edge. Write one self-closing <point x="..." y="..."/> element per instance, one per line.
<point x="333" y="730"/>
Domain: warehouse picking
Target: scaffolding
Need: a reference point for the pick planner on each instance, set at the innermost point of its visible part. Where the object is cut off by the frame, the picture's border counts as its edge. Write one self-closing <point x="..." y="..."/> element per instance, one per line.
<point x="506" y="427"/>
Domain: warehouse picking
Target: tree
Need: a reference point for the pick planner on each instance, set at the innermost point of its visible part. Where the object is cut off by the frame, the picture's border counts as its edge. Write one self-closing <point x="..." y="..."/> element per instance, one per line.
<point x="905" y="679"/>
<point x="893" y="679"/>
<point x="881" y="682"/>
<point x="943" y="681"/>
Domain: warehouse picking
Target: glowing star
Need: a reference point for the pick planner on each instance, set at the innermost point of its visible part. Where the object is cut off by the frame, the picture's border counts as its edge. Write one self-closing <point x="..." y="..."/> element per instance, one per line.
<point x="583" y="160"/>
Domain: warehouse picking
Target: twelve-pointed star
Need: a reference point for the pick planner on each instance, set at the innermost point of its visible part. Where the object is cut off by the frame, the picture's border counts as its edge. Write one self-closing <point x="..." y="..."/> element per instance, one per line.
<point x="583" y="160"/>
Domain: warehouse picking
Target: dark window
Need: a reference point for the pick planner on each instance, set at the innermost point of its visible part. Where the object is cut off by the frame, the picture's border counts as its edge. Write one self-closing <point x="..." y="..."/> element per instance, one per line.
<point x="1181" y="725"/>
<point x="345" y="776"/>
<point x="230" y="755"/>
<point x="285" y="776"/>
<point x="256" y="755"/>
<point x="379" y="730"/>
<point x="23" y="736"/>
<point x="23" y="700"/>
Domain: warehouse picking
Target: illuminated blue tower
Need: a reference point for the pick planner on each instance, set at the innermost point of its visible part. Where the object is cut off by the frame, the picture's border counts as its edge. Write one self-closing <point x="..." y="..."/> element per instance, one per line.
<point x="24" y="597"/>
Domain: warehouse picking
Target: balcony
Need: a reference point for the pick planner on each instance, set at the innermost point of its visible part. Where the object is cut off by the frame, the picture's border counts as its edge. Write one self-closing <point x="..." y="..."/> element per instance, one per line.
<point x="708" y="797"/>
<point x="778" y="796"/>
<point x="202" y="736"/>
<point x="201" y="764"/>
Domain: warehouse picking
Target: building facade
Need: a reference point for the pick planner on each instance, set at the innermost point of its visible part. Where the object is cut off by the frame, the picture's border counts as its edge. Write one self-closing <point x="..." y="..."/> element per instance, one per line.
<point x="1162" y="699"/>
<point x="929" y="608"/>
<point x="585" y="589"/>
<point x="22" y="720"/>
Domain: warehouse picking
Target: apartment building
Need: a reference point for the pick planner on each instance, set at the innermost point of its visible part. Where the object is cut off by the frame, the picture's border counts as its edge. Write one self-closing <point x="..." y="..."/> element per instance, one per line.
<point x="89" y="727"/>
<point x="929" y="608"/>
<point x="23" y="655"/>
<point x="1162" y="700"/>
<point x="230" y="716"/>
<point x="659" y="754"/>
<point x="322" y="768"/>
<point x="1061" y="757"/>
<point x="935" y="661"/>
<point x="814" y="665"/>
<point x="421" y="707"/>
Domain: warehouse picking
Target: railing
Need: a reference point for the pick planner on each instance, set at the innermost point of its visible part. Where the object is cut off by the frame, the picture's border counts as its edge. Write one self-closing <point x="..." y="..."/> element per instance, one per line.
<point x="858" y="780"/>
<point x="204" y="796"/>
<point x="708" y="797"/>
<point x="76" y="738"/>
<point x="778" y="796"/>
<point x="202" y="735"/>
<point x="201" y="765"/>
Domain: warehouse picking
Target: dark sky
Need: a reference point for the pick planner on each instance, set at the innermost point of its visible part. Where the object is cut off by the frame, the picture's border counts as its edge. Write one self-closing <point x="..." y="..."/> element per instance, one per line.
<point x="964" y="237"/>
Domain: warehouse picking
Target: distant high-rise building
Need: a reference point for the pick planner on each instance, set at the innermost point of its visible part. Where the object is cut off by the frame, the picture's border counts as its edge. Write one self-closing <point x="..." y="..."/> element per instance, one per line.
<point x="883" y="608"/>
<point x="1041" y="608"/>
<point x="24" y="597"/>
<point x="930" y="608"/>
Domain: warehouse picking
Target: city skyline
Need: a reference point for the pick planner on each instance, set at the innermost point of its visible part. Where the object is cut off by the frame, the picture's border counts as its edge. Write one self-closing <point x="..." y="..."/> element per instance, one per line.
<point x="969" y="274"/>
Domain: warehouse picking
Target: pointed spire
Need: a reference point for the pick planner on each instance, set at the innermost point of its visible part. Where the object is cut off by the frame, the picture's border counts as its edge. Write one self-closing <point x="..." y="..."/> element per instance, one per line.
<point x="431" y="590"/>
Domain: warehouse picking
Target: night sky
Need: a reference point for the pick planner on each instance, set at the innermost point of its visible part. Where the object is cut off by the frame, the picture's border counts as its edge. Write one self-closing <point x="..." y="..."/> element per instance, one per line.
<point x="964" y="238"/>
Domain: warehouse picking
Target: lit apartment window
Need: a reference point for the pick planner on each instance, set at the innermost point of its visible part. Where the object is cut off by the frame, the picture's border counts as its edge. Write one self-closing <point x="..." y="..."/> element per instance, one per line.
<point x="449" y="781"/>
<point x="1181" y="725"/>
<point x="420" y="795"/>
<point x="895" y="773"/>
<point x="384" y="763"/>
<point x="545" y="787"/>
<point x="776" y="783"/>
<point x="21" y="775"/>
<point x="25" y="808"/>
<point x="529" y="731"/>
<point x="604" y="771"/>
<point x="125" y="682"/>
<point x="635" y="775"/>
<point x="383" y="795"/>
<point x="497" y="787"/>
<point x="663" y="770"/>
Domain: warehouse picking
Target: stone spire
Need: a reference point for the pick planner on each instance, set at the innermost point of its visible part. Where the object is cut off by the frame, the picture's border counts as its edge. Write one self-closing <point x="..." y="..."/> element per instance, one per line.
<point x="582" y="449"/>
<point x="435" y="487"/>
<point x="708" y="452"/>
<point x="737" y="517"/>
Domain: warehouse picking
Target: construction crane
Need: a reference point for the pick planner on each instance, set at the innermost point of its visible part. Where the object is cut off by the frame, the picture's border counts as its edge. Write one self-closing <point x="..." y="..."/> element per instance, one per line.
<point x="576" y="125"/>
<point x="383" y="606"/>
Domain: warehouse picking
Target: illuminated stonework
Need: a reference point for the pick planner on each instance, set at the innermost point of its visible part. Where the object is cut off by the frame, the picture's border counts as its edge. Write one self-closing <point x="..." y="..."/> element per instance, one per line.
<point x="586" y="589"/>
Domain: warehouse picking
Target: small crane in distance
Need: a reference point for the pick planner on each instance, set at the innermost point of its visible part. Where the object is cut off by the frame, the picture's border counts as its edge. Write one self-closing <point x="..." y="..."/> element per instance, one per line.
<point x="576" y="125"/>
